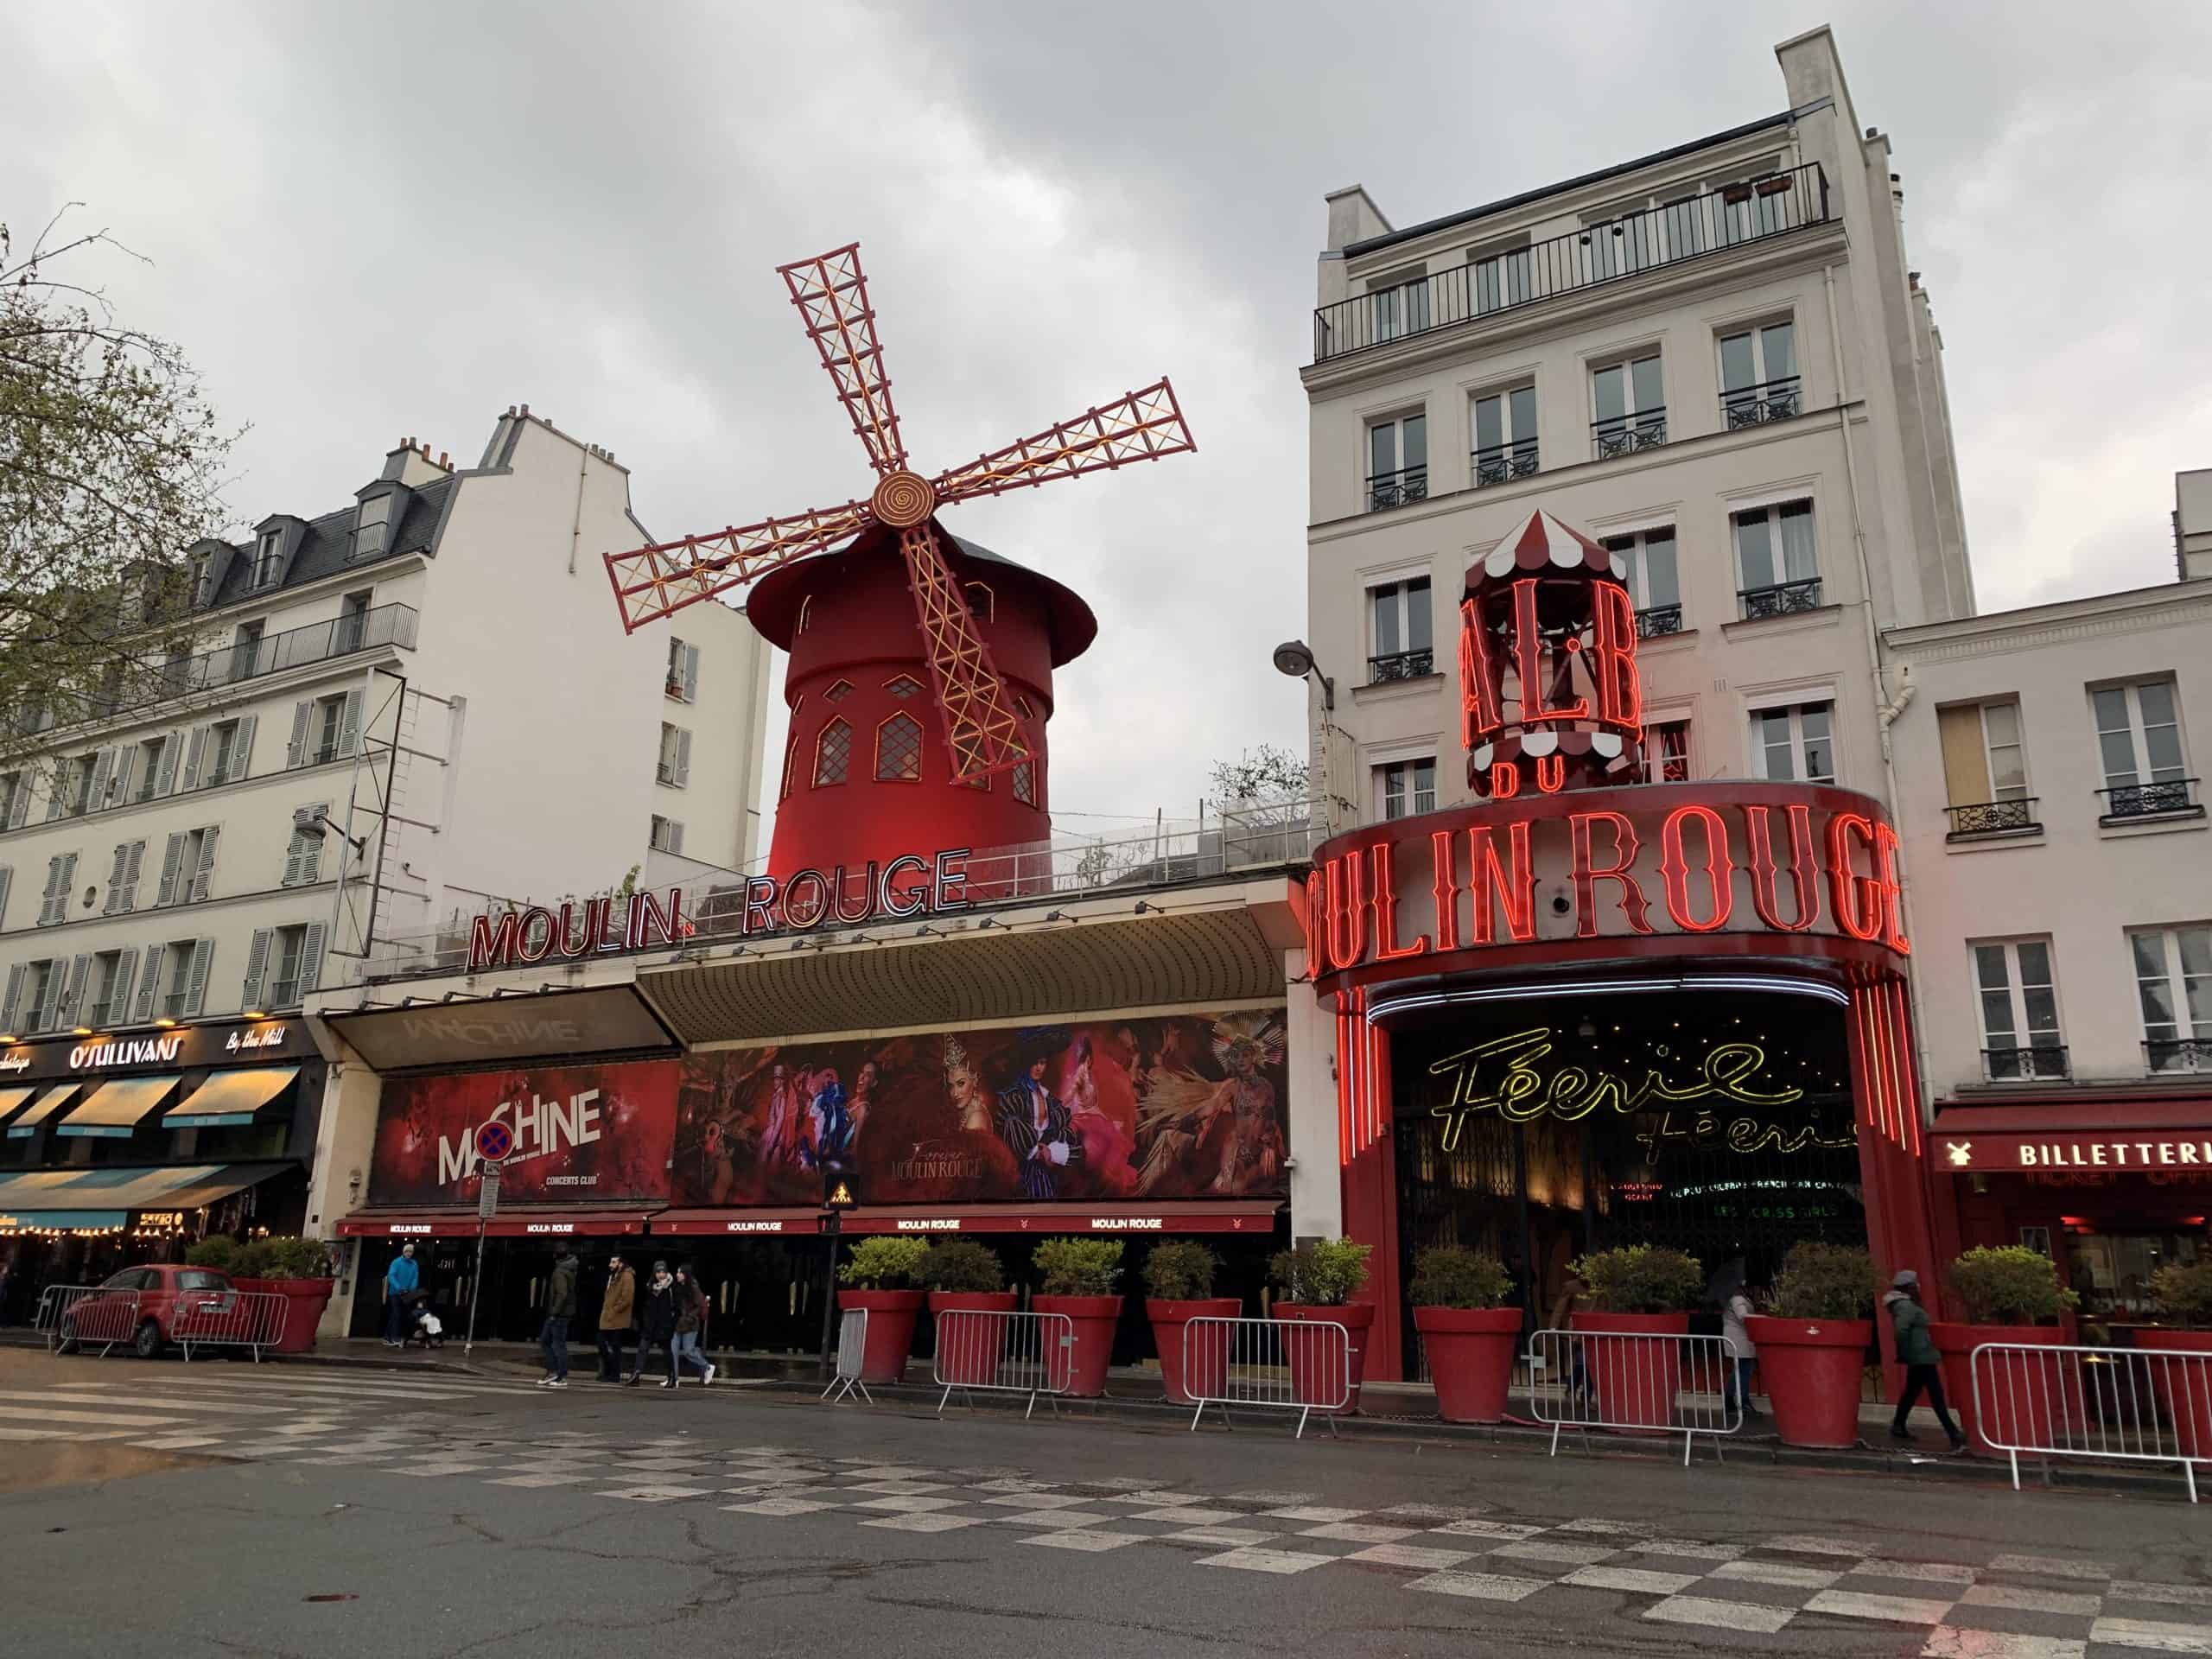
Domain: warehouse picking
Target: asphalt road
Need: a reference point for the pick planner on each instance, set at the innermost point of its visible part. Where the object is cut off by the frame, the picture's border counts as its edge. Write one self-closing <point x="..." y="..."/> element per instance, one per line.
<point x="223" y="1508"/>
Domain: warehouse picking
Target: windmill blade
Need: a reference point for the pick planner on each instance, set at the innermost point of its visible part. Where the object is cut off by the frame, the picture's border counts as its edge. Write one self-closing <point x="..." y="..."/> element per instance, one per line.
<point x="655" y="581"/>
<point x="830" y="291"/>
<point x="980" y="724"/>
<point x="1141" y="426"/>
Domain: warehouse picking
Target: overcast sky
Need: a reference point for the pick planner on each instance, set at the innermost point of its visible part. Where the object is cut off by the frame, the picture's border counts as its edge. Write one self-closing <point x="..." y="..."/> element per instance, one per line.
<point x="369" y="222"/>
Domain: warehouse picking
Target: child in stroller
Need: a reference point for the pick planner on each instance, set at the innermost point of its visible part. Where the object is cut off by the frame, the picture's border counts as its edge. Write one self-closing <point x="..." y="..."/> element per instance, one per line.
<point x="422" y="1326"/>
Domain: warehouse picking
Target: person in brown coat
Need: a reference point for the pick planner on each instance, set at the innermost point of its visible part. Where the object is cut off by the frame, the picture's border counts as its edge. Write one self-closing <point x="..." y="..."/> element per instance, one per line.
<point x="617" y="1314"/>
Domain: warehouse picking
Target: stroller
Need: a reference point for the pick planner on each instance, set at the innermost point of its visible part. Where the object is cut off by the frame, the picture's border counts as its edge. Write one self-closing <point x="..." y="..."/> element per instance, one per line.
<point x="422" y="1326"/>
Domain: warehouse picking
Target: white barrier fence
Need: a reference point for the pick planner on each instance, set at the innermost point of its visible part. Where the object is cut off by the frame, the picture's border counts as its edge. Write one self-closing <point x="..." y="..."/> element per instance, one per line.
<point x="852" y="1351"/>
<point x="1007" y="1353"/>
<point x="252" y="1319"/>
<point x="2135" y="1405"/>
<point x="1297" y="1365"/>
<point x="75" y="1315"/>
<point x="1634" y="1384"/>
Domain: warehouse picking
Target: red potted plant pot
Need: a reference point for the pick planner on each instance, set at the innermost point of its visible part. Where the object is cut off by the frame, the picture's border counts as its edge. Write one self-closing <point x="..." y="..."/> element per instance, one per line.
<point x="891" y="1316"/>
<point x="1191" y="1363"/>
<point x="304" y="1302"/>
<point x="1635" y="1383"/>
<point x="968" y="1351"/>
<point x="1812" y="1370"/>
<point x="2018" y="1392"/>
<point x="1318" y="1376"/>
<point x="1091" y="1320"/>
<point x="1470" y="1352"/>
<point x="2185" y="1388"/>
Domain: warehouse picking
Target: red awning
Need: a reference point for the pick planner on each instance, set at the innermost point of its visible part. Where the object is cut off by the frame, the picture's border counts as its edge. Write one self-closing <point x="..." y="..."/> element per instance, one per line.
<point x="736" y="1223"/>
<point x="1194" y="1216"/>
<point x="2120" y="1135"/>
<point x="519" y="1223"/>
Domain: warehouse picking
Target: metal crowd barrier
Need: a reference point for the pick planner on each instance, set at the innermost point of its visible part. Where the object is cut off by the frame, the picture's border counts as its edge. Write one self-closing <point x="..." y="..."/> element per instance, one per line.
<point x="252" y="1319"/>
<point x="852" y="1351"/>
<point x="73" y="1315"/>
<point x="2138" y="1405"/>
<point x="1297" y="1365"/>
<point x="1632" y="1383"/>
<point x="1007" y="1353"/>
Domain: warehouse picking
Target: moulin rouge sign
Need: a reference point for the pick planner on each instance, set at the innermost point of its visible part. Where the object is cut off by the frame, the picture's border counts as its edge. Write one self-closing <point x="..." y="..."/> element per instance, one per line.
<point x="907" y="886"/>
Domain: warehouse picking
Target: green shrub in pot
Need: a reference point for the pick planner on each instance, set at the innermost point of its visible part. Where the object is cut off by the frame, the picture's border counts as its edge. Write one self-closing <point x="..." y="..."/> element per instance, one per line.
<point x="2183" y="1292"/>
<point x="1078" y="1266"/>
<point x="1320" y="1273"/>
<point x="1180" y="1270"/>
<point x="2010" y="1284"/>
<point x="217" y="1250"/>
<point x="1824" y="1281"/>
<point x="1642" y="1279"/>
<point x="958" y="1265"/>
<point x="1449" y="1276"/>
<point x="885" y="1261"/>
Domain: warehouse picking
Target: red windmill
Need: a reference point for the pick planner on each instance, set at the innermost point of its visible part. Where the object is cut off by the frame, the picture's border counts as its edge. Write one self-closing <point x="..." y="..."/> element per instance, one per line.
<point x="982" y="727"/>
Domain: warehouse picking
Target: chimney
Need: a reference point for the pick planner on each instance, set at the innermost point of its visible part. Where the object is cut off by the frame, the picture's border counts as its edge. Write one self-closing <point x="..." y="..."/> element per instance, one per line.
<point x="410" y="464"/>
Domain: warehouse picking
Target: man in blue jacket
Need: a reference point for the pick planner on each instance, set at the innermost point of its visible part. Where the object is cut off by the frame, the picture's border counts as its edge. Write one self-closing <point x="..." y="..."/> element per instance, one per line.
<point x="400" y="1280"/>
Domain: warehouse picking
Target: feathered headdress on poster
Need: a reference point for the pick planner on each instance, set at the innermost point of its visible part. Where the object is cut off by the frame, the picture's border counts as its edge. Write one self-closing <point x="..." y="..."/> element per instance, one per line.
<point x="1258" y="1036"/>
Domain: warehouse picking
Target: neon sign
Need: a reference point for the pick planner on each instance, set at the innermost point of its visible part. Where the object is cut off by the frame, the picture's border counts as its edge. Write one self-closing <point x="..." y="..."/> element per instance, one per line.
<point x="1502" y="1076"/>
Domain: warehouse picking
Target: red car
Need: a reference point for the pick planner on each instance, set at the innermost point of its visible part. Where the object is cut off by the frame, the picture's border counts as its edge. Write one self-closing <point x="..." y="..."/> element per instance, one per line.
<point x="151" y="1308"/>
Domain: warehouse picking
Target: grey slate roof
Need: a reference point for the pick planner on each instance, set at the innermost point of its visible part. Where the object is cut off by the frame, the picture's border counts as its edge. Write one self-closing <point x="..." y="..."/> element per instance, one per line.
<point x="323" y="547"/>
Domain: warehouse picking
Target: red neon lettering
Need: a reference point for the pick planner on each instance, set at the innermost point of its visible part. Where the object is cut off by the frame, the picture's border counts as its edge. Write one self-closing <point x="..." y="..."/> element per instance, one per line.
<point x="1514" y="891"/>
<point x="490" y="942"/>
<point x="1529" y="658"/>
<point x="817" y="886"/>
<point x="1588" y="874"/>
<point x="1387" y="948"/>
<point x="1504" y="780"/>
<point x="1444" y="883"/>
<point x="1347" y="911"/>
<point x="1612" y="668"/>
<point x="536" y="947"/>
<point x="1885" y="872"/>
<point x="1804" y="867"/>
<point x="1719" y="869"/>
<point x="1479" y="712"/>
<point x="1309" y="921"/>
<point x="839" y="887"/>
<point x="1551" y="773"/>
<point x="760" y="905"/>
<point x="647" y="918"/>
<point x="1858" y="898"/>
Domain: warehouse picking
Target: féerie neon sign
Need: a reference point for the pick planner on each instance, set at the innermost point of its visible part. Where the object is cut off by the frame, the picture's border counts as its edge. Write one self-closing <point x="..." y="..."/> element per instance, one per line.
<point x="1503" y="1076"/>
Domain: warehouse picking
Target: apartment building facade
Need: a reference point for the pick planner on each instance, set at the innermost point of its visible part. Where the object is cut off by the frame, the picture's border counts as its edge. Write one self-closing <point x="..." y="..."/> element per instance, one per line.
<point x="1716" y="363"/>
<point x="388" y="714"/>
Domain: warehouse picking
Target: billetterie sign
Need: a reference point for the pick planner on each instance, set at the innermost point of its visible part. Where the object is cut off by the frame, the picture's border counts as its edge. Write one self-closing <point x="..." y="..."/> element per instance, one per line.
<point x="911" y="885"/>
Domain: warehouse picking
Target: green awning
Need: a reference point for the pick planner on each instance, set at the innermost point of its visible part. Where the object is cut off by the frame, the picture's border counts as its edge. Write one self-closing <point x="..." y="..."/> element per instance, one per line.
<point x="116" y="1108"/>
<point x="230" y="1097"/>
<point x="45" y="1107"/>
<point x="60" y="1221"/>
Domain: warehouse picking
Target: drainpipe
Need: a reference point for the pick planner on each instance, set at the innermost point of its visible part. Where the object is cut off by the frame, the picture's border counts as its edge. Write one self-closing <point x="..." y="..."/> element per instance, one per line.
<point x="576" y="525"/>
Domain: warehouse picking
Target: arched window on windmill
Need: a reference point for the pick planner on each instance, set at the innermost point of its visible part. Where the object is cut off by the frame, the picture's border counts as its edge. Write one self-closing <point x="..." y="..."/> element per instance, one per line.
<point x="804" y="605"/>
<point x="905" y="687"/>
<point x="833" y="753"/>
<point x="898" y="750"/>
<point x="982" y="604"/>
<point x="790" y="750"/>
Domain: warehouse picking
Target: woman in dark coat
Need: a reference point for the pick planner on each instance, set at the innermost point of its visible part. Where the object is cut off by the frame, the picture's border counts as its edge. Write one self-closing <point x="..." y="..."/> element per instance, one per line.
<point x="656" y="1313"/>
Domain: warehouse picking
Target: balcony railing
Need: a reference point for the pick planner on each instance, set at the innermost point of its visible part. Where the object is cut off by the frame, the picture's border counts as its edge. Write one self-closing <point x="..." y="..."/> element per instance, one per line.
<point x="2025" y="1064"/>
<point x="2178" y="1053"/>
<point x="1774" y="400"/>
<point x="1401" y="665"/>
<point x="1624" y="435"/>
<point x="1503" y="462"/>
<point x="2174" y="796"/>
<point x="2013" y="817"/>
<point x="1782" y="598"/>
<point x="1658" y="619"/>
<point x="249" y="659"/>
<point x="1397" y="489"/>
<point x="1611" y="252"/>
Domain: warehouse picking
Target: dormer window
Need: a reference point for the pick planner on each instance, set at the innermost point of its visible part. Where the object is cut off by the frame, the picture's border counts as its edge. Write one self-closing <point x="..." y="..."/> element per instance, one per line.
<point x="371" y="525"/>
<point x="269" y="558"/>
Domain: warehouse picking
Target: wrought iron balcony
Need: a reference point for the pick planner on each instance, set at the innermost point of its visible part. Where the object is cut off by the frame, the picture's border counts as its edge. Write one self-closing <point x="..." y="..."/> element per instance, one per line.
<point x="1773" y="400"/>
<point x="1397" y="489"/>
<point x="2011" y="818"/>
<point x="1657" y="621"/>
<point x="1401" y="665"/>
<point x="2178" y="1053"/>
<point x="2030" y="1064"/>
<point x="1782" y="598"/>
<point x="1614" y="250"/>
<point x="1503" y="462"/>
<point x="250" y="659"/>
<point x="2172" y="798"/>
<point x="1624" y="435"/>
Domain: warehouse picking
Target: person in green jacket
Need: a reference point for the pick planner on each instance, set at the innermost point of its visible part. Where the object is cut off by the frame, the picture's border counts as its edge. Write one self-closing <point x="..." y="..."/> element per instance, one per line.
<point x="1917" y="1353"/>
<point x="560" y="1308"/>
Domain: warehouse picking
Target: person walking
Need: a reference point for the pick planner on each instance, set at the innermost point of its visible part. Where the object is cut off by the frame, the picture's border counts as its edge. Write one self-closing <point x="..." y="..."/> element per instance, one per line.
<point x="1917" y="1353"/>
<point x="401" y="1277"/>
<point x="1570" y="1298"/>
<point x="616" y="1314"/>
<point x="1736" y="1337"/>
<point x="560" y="1308"/>
<point x="691" y="1309"/>
<point x="656" y="1323"/>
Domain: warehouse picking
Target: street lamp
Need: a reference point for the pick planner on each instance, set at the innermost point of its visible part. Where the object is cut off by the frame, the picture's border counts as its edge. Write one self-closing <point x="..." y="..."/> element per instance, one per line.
<point x="310" y="821"/>
<point x="1295" y="659"/>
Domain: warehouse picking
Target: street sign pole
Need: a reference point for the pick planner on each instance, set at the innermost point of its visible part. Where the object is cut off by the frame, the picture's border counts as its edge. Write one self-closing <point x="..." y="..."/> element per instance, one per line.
<point x="487" y="1207"/>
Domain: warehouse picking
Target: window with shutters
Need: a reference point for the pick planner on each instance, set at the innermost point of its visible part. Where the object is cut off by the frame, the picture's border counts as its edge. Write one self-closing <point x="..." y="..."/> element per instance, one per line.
<point x="224" y="762"/>
<point x="61" y="874"/>
<point x="666" y="835"/>
<point x="1985" y="769"/>
<point x="26" y="1013"/>
<point x="832" y="754"/>
<point x="188" y="866"/>
<point x="77" y="787"/>
<point x="15" y="798"/>
<point x="898" y="750"/>
<point x="286" y="969"/>
<point x="107" y="991"/>
<point x="123" y="877"/>
<point x="303" y="857"/>
<point x="674" y="768"/>
<point x="683" y="670"/>
<point x="176" y="979"/>
<point x="327" y="733"/>
<point x="155" y="767"/>
<point x="7" y="889"/>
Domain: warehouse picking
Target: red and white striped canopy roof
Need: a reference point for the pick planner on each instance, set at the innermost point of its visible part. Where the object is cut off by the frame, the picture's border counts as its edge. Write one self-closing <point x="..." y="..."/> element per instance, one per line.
<point x="1541" y="543"/>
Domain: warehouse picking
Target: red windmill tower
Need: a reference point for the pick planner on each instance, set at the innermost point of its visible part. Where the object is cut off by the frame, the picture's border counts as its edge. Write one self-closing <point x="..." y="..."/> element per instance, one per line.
<point x="860" y="781"/>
